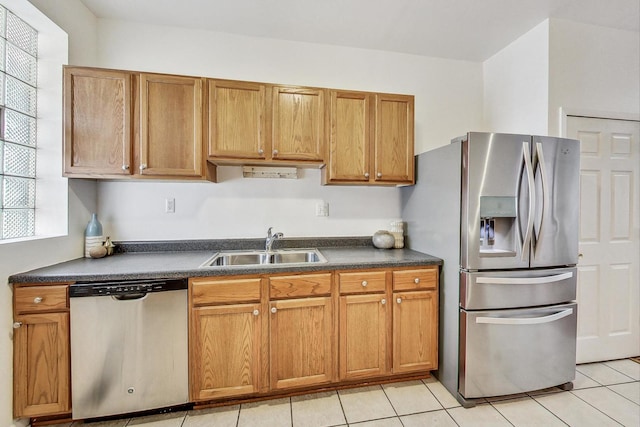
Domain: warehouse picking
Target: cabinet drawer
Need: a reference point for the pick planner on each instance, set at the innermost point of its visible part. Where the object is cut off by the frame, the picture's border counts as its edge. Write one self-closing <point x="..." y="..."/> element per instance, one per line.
<point x="410" y="280"/>
<point x="208" y="291"/>
<point x="360" y="282"/>
<point x="41" y="298"/>
<point x="300" y="286"/>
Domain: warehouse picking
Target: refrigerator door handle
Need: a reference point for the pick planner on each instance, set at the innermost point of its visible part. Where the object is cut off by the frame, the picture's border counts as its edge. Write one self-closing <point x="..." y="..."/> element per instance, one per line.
<point x="525" y="320"/>
<point x="523" y="280"/>
<point x="545" y="194"/>
<point x="526" y="152"/>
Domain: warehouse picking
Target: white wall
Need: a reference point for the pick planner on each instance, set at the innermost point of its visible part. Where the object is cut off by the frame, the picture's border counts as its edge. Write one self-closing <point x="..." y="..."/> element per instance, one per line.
<point x="75" y="19"/>
<point x="447" y="103"/>
<point x="593" y="70"/>
<point x="516" y="81"/>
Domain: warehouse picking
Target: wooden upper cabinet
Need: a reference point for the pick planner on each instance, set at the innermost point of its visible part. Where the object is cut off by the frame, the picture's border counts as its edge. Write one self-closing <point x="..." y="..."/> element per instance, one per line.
<point x="97" y="122"/>
<point x="371" y="139"/>
<point x="170" y="126"/>
<point x="349" y="139"/>
<point x="298" y="124"/>
<point x="393" y="142"/>
<point x="236" y="120"/>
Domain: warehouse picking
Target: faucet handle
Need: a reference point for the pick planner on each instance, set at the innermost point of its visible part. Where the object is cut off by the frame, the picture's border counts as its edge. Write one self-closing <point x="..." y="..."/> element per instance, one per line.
<point x="269" y="232"/>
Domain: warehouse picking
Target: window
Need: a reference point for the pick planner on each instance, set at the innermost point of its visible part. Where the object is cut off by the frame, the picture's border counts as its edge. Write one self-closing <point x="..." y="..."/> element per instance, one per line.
<point x="18" y="96"/>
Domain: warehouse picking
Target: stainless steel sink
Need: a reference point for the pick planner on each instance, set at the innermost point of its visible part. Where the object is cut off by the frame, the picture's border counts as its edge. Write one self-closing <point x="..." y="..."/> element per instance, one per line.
<point x="276" y="257"/>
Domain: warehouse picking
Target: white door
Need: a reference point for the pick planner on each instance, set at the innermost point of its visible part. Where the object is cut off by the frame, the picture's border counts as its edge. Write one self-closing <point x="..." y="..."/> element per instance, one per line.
<point x="608" y="280"/>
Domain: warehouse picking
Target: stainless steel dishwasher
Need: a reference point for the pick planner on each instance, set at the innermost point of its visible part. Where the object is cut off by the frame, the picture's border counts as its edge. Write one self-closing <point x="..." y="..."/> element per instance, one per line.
<point x="128" y="346"/>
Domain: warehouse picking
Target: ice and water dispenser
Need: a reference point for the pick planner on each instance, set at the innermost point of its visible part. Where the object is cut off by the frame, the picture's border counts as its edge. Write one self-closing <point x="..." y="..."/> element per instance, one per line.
<point x="498" y="226"/>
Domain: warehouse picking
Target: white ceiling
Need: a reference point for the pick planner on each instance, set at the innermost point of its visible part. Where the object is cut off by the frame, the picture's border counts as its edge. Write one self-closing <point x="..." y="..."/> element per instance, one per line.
<point x="457" y="29"/>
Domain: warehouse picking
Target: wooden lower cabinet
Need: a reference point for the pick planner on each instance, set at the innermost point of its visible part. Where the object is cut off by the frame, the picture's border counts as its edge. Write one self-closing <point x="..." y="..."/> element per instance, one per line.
<point x="41" y="365"/>
<point x="415" y="331"/>
<point x="301" y="342"/>
<point x="363" y="336"/>
<point x="225" y="356"/>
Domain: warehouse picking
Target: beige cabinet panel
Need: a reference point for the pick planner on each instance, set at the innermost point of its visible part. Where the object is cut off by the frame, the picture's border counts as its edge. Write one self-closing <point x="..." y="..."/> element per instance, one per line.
<point x="170" y="125"/>
<point x="41" y="368"/>
<point x="97" y="122"/>
<point x="301" y="342"/>
<point x="363" y="336"/>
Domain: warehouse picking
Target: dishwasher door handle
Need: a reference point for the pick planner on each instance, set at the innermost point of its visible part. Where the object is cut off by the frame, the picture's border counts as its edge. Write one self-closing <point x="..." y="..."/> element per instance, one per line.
<point x="130" y="297"/>
<point x="525" y="320"/>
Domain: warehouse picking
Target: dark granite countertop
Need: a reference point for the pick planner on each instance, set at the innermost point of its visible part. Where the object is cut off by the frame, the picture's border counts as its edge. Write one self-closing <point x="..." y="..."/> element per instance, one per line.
<point x="181" y="259"/>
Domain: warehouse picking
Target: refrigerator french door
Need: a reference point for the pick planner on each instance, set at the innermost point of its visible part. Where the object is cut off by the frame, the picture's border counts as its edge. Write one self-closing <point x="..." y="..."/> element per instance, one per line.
<point x="519" y="201"/>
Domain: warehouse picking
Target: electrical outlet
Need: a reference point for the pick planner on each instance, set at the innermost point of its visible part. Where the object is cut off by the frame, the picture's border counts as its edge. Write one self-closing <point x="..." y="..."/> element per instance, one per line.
<point x="322" y="208"/>
<point x="170" y="205"/>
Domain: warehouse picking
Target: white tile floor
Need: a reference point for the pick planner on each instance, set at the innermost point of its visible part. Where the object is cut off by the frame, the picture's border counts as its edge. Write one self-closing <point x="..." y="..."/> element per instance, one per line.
<point x="604" y="394"/>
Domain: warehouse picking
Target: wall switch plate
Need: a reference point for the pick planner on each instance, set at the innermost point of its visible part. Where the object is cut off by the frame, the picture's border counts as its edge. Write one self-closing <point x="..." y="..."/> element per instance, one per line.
<point x="322" y="208"/>
<point x="170" y="205"/>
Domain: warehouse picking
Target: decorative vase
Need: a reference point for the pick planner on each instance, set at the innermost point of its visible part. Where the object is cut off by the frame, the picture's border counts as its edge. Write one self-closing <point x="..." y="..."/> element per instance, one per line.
<point x="382" y="239"/>
<point x="92" y="235"/>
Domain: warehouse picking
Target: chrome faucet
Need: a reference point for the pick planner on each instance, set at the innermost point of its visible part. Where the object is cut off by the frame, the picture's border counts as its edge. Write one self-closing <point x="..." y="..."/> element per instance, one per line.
<point x="270" y="238"/>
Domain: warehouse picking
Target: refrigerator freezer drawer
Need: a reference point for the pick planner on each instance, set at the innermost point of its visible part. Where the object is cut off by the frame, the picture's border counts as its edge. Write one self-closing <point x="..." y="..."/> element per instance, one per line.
<point x="516" y="351"/>
<point x="515" y="289"/>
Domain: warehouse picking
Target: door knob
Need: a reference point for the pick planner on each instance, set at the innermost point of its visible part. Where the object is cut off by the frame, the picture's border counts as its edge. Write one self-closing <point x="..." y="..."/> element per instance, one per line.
<point x="16" y="325"/>
<point x="256" y="312"/>
<point x="366" y="174"/>
<point x="383" y="301"/>
<point x="399" y="300"/>
<point x="273" y="309"/>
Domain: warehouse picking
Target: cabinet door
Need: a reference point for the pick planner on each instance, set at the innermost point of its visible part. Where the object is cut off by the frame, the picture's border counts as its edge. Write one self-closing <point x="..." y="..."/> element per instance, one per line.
<point x="170" y="125"/>
<point x="363" y="336"/>
<point x="415" y="331"/>
<point x="97" y="122"/>
<point x="301" y="342"/>
<point x="225" y="351"/>
<point x="349" y="140"/>
<point x="41" y="365"/>
<point x="393" y="146"/>
<point x="237" y="117"/>
<point x="298" y="123"/>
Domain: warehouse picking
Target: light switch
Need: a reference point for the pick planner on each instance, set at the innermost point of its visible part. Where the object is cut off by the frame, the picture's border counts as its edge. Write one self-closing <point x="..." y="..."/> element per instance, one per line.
<point x="322" y="208"/>
<point x="170" y="205"/>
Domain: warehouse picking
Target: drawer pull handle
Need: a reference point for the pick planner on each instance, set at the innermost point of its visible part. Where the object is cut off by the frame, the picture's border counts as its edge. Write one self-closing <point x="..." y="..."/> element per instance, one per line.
<point x="125" y="167"/>
<point x="379" y="174"/>
<point x="37" y="300"/>
<point x="364" y="283"/>
<point x="142" y="167"/>
<point x="256" y="312"/>
<point x="16" y="325"/>
<point x="366" y="174"/>
<point x="275" y="153"/>
<point x="525" y="321"/>
<point x="383" y="301"/>
<point x="416" y="280"/>
<point x="399" y="300"/>
<point x="274" y="310"/>
<point x="261" y="151"/>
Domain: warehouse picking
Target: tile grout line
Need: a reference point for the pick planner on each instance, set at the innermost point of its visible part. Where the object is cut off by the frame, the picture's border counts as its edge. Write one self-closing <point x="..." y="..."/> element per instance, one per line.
<point x="537" y="403"/>
<point x="606" y="415"/>
<point x="622" y="395"/>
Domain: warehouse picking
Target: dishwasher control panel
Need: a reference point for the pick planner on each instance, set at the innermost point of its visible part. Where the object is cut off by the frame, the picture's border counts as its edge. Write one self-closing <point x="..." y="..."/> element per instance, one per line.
<point x="92" y="289"/>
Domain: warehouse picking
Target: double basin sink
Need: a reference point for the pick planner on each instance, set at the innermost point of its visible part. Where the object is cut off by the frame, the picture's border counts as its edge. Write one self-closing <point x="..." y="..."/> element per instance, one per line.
<point x="263" y="257"/>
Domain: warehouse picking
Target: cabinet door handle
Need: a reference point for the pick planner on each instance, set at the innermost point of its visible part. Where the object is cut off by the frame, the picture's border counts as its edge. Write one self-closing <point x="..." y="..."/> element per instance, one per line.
<point x="16" y="325"/>
<point x="416" y="280"/>
<point x="366" y="174"/>
<point x="37" y="300"/>
<point x="379" y="174"/>
<point x="383" y="301"/>
<point x="256" y="312"/>
<point x="260" y="151"/>
<point x="274" y="310"/>
<point x="275" y="153"/>
<point x="142" y="167"/>
<point x="399" y="300"/>
<point x="125" y="167"/>
<point x="364" y="283"/>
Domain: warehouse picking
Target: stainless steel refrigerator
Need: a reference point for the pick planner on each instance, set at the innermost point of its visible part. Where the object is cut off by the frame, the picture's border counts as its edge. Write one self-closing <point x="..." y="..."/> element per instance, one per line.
<point x="501" y="210"/>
